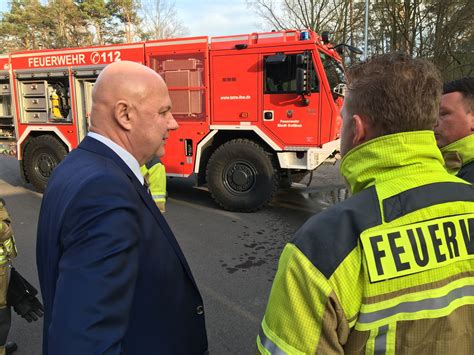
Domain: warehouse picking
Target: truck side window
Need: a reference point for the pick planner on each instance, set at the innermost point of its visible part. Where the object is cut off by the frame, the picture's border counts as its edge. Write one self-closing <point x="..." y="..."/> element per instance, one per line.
<point x="334" y="71"/>
<point x="280" y="77"/>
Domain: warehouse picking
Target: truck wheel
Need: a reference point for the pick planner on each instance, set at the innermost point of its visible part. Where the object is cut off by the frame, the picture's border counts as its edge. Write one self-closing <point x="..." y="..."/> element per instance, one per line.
<point x="42" y="155"/>
<point x="242" y="176"/>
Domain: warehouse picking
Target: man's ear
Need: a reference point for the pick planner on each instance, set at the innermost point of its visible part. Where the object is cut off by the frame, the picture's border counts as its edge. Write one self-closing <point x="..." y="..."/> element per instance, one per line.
<point x="122" y="114"/>
<point x="363" y="130"/>
<point x="360" y="132"/>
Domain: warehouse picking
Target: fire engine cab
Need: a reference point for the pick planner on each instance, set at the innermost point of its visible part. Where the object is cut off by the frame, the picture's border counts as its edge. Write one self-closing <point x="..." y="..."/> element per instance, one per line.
<point x="255" y="111"/>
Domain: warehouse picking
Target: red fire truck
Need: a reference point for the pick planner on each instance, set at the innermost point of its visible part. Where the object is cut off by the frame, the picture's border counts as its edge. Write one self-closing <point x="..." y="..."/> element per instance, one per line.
<point x="255" y="111"/>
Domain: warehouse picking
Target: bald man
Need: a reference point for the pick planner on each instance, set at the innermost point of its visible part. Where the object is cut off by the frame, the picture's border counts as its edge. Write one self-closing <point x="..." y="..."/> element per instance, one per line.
<point x="113" y="277"/>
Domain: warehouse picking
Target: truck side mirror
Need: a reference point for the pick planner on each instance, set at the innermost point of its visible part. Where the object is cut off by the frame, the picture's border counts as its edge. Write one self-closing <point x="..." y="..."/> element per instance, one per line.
<point x="276" y="58"/>
<point x="301" y="81"/>
<point x="300" y="61"/>
<point x="340" y="48"/>
<point x="325" y="37"/>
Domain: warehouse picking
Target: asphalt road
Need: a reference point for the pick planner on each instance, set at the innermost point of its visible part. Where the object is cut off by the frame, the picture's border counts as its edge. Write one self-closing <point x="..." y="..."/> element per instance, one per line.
<point x="233" y="256"/>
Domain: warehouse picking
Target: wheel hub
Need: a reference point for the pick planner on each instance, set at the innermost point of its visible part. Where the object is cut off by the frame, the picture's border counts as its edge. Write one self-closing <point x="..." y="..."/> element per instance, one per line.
<point x="45" y="165"/>
<point x="240" y="177"/>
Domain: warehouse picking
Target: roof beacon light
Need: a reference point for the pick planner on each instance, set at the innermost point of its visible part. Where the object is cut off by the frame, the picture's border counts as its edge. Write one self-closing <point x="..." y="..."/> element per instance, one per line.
<point x="325" y="37"/>
<point x="304" y="36"/>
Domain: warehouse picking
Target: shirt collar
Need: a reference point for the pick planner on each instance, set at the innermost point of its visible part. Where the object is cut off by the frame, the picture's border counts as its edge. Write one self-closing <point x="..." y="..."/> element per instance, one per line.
<point x="128" y="158"/>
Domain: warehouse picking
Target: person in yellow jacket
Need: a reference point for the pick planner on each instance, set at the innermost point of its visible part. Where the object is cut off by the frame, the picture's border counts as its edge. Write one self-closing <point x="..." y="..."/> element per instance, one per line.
<point x="391" y="269"/>
<point x="7" y="252"/>
<point x="155" y="176"/>
<point x="454" y="129"/>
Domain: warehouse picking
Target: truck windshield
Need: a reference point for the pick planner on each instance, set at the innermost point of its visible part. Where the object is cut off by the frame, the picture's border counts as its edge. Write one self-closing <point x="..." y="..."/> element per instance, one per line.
<point x="334" y="71"/>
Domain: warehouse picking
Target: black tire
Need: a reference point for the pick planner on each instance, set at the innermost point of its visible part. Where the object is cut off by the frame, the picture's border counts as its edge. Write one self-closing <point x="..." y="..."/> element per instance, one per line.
<point x="42" y="155"/>
<point x="242" y="176"/>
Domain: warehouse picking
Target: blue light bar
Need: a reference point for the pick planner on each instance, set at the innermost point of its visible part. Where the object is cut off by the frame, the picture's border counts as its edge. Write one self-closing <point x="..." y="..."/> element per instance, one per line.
<point x="304" y="36"/>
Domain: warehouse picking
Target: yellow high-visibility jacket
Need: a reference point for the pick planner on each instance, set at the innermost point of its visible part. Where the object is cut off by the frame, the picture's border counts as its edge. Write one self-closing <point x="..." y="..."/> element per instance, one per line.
<point x="459" y="158"/>
<point x="388" y="271"/>
<point x="155" y="175"/>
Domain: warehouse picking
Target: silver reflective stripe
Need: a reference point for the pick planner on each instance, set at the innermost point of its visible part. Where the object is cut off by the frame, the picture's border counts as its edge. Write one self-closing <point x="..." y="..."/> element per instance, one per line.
<point x="155" y="197"/>
<point x="229" y="39"/>
<point x="270" y="345"/>
<point x="270" y="35"/>
<point x="381" y="341"/>
<point x="416" y="306"/>
<point x="173" y="43"/>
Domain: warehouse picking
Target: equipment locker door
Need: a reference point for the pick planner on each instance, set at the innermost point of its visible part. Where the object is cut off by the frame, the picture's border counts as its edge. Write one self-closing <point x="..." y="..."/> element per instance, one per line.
<point x="234" y="88"/>
<point x="185" y="74"/>
<point x="84" y="80"/>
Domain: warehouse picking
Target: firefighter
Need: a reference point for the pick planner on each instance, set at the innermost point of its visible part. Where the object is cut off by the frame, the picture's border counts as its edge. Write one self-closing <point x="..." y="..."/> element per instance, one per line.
<point x="389" y="270"/>
<point x="7" y="252"/>
<point x="454" y="129"/>
<point x="155" y="176"/>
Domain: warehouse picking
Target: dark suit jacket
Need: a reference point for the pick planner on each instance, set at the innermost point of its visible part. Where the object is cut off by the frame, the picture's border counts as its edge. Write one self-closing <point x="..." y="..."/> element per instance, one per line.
<point x="467" y="172"/>
<point x="113" y="278"/>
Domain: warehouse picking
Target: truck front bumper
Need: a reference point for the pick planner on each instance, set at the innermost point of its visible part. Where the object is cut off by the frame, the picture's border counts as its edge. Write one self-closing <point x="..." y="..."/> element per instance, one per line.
<point x="307" y="159"/>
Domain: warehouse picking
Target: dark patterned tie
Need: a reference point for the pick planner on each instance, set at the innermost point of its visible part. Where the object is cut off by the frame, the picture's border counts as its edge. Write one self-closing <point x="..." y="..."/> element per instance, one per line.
<point x="146" y="183"/>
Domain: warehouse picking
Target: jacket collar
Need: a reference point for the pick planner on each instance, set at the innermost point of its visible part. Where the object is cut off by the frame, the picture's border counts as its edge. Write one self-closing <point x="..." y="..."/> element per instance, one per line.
<point x="458" y="153"/>
<point x="97" y="147"/>
<point x="390" y="157"/>
<point x="126" y="156"/>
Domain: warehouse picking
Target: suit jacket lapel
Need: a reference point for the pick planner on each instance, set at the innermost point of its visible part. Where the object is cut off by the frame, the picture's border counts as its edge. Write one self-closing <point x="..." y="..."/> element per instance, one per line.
<point x="163" y="225"/>
<point x="95" y="146"/>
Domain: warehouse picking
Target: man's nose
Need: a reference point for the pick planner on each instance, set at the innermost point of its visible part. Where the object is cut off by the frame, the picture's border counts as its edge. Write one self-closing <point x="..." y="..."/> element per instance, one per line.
<point x="172" y="124"/>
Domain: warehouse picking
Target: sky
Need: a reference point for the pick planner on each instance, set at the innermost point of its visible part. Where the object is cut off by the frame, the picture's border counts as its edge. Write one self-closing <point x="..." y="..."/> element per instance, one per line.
<point x="217" y="18"/>
<point x="209" y="18"/>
